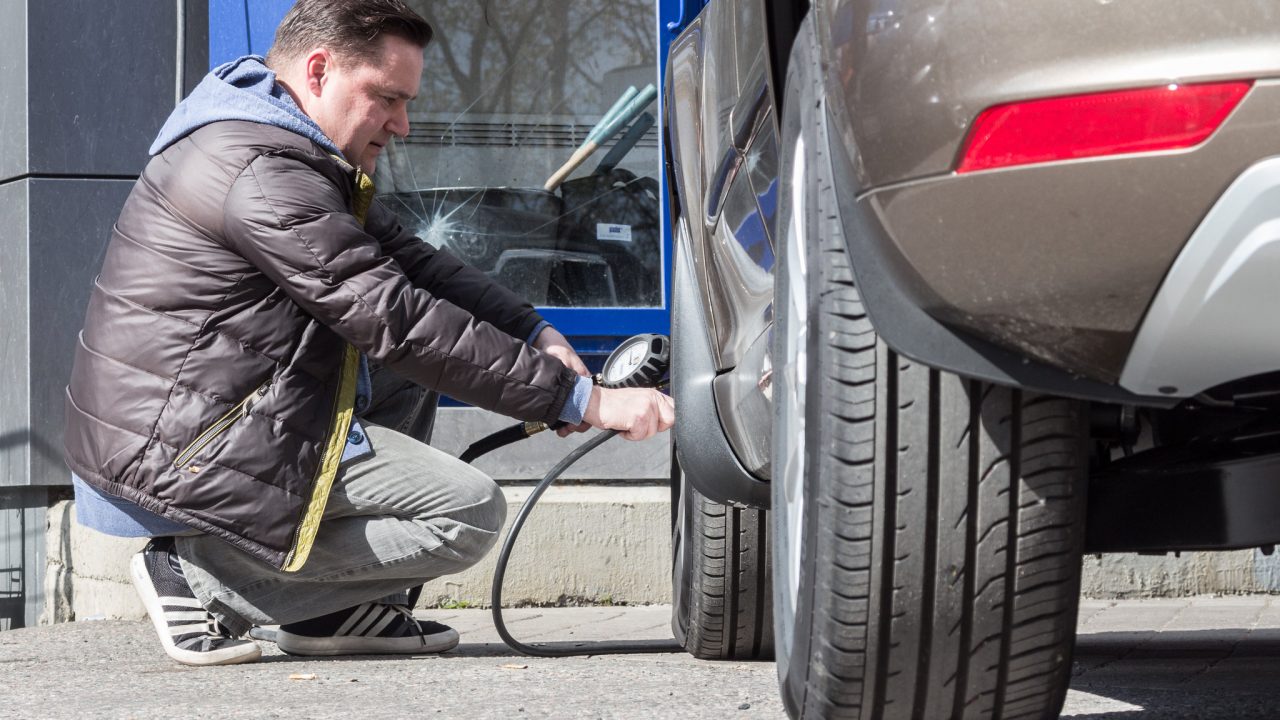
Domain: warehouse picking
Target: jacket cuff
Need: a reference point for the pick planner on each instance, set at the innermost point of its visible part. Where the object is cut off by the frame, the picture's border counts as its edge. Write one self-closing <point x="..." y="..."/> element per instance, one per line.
<point x="576" y="404"/>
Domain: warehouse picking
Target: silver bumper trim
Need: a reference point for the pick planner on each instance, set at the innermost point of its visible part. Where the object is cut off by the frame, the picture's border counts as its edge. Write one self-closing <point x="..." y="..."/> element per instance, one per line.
<point x="1216" y="317"/>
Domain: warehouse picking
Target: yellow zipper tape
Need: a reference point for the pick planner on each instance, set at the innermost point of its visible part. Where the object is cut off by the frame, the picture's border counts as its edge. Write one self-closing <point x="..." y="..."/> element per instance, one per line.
<point x="328" y="471"/>
<point x="342" y="415"/>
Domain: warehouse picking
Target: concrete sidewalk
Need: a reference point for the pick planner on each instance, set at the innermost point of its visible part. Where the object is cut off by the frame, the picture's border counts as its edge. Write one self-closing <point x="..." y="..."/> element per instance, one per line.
<point x="1210" y="658"/>
<point x="116" y="669"/>
<point x="1214" y="658"/>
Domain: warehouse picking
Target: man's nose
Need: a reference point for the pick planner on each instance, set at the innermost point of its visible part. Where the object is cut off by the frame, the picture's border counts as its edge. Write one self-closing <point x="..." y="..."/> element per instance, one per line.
<point x="398" y="125"/>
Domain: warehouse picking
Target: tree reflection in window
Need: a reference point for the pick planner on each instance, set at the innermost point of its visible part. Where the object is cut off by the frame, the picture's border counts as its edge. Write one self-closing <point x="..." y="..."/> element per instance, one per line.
<point x="510" y="89"/>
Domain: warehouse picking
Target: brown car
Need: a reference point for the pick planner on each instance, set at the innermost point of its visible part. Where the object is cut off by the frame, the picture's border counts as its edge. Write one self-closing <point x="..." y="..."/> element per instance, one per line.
<point x="962" y="291"/>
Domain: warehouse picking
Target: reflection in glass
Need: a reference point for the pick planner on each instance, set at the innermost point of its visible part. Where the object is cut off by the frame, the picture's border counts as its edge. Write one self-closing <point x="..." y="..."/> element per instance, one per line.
<point x="510" y="89"/>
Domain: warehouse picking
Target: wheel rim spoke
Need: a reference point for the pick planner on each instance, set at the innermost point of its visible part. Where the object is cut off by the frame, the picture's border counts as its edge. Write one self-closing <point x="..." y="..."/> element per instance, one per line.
<point x="794" y="381"/>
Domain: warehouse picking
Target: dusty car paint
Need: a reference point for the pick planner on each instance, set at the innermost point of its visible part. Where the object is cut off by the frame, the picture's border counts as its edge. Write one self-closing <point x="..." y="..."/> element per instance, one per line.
<point x="724" y="137"/>
<point x="1058" y="261"/>
<point x="1062" y="260"/>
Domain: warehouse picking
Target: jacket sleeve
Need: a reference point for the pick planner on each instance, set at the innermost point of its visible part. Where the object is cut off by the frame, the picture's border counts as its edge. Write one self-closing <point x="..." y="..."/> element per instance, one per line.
<point x="291" y="221"/>
<point x="442" y="274"/>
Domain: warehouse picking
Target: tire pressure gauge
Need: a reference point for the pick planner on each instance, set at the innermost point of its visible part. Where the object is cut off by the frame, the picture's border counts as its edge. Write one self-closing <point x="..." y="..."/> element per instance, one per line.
<point x="641" y="361"/>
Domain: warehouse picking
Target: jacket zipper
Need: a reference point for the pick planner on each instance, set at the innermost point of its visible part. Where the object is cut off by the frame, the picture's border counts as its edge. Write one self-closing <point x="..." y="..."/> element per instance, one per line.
<point x="322" y="483"/>
<point x="241" y="410"/>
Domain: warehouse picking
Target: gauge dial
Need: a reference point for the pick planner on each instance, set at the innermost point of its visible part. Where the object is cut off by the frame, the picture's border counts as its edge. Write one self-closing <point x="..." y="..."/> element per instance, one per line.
<point x="629" y="359"/>
<point x="638" y="362"/>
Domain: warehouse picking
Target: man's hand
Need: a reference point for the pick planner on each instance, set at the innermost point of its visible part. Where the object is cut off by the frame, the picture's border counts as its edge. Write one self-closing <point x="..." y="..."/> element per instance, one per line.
<point x="636" y="413"/>
<point x="551" y="342"/>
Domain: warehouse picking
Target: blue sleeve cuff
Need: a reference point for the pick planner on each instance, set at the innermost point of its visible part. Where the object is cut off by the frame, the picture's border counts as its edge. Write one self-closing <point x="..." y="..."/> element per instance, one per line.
<point x="537" y="329"/>
<point x="576" y="406"/>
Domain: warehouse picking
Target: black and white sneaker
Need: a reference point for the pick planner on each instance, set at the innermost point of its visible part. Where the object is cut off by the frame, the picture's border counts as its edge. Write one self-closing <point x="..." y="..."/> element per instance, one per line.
<point x="187" y="631"/>
<point x="367" y="629"/>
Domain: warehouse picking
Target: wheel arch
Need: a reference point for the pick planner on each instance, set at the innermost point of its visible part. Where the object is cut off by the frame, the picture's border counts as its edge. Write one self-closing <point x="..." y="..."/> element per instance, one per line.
<point x="701" y="445"/>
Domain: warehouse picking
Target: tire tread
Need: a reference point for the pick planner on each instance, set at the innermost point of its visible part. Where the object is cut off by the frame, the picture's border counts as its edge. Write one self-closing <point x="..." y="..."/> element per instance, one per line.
<point x="727" y="575"/>
<point x="985" y="632"/>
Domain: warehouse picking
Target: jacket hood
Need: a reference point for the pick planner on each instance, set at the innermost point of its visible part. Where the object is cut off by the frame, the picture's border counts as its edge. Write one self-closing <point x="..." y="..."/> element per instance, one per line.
<point x="243" y="89"/>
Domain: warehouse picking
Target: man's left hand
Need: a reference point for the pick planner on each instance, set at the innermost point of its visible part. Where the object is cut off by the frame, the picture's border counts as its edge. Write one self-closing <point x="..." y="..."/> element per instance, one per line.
<point x="551" y="342"/>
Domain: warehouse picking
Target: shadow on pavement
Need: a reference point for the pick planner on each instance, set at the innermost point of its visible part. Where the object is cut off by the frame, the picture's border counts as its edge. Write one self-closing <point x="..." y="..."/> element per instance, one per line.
<point x="463" y="650"/>
<point x="489" y="649"/>
<point x="1227" y="674"/>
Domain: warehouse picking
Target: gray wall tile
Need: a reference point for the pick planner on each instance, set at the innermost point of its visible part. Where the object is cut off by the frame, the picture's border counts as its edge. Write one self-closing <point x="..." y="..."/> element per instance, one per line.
<point x="14" y="316"/>
<point x="13" y="91"/>
<point x="55" y="233"/>
<point x="71" y="224"/>
<point x="22" y="555"/>
<point x="101" y="83"/>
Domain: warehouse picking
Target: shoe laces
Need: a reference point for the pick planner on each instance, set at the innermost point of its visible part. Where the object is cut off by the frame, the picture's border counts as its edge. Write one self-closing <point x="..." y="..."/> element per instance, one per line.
<point x="407" y="613"/>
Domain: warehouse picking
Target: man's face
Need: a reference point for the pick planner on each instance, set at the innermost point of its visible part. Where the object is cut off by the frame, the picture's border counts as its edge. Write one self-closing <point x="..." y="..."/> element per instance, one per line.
<point x="361" y="105"/>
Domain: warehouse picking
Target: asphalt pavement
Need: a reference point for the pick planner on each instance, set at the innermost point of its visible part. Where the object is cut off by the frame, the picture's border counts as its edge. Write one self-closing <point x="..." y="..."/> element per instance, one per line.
<point x="1210" y="658"/>
<point x="1202" y="659"/>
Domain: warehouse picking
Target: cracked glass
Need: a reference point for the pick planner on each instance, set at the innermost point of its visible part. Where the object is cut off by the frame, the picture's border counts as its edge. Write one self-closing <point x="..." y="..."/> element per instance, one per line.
<point x="510" y="90"/>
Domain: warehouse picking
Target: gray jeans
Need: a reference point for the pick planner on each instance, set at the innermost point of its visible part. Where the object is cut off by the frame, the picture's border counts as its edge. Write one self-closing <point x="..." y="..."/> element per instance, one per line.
<point x="404" y="515"/>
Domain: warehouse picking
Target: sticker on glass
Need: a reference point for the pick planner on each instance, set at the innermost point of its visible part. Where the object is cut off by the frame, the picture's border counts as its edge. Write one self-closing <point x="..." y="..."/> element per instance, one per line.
<point x="616" y="233"/>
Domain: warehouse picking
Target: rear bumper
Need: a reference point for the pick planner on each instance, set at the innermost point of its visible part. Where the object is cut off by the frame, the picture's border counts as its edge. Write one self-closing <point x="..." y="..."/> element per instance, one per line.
<point x="1214" y="318"/>
<point x="1041" y="276"/>
<point x="896" y="299"/>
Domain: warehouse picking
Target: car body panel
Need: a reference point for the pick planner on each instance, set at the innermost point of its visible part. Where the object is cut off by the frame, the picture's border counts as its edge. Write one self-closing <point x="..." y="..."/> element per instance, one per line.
<point x="1061" y="260"/>
<point x="1209" y="301"/>
<point x="720" y="113"/>
<point x="702" y="446"/>
<point x="723" y="129"/>
<point x="907" y="78"/>
<point x="744" y="400"/>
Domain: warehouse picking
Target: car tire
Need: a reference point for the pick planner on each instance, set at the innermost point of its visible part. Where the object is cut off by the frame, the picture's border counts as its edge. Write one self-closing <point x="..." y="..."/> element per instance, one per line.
<point x="720" y="575"/>
<point x="928" y="528"/>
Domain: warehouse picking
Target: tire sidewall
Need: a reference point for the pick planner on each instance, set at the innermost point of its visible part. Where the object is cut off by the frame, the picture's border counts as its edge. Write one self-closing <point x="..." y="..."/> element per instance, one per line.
<point x="805" y="665"/>
<point x="793" y="630"/>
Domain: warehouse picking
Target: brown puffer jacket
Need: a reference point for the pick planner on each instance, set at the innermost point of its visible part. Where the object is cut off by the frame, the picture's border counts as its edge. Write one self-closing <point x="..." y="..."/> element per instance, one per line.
<point x="214" y="378"/>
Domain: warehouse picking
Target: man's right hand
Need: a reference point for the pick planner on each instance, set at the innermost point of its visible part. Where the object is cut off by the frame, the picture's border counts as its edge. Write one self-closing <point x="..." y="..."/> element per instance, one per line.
<point x="636" y="413"/>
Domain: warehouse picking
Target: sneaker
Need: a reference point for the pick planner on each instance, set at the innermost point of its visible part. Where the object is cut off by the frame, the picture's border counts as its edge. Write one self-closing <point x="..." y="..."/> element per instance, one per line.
<point x="367" y="629"/>
<point x="188" y="632"/>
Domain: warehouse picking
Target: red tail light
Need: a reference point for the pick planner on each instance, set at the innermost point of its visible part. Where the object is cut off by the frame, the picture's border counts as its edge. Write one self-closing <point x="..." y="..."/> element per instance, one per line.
<point x="1110" y="123"/>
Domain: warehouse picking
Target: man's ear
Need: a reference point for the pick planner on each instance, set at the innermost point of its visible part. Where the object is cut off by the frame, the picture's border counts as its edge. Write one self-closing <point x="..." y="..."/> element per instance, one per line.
<point x="319" y="64"/>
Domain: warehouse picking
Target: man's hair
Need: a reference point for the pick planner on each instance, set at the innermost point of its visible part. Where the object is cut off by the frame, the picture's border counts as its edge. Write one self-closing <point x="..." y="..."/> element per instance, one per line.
<point x="348" y="28"/>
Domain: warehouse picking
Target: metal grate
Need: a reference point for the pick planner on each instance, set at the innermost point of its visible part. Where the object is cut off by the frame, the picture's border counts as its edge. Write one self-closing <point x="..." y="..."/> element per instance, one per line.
<point x="477" y="134"/>
<point x="13" y="573"/>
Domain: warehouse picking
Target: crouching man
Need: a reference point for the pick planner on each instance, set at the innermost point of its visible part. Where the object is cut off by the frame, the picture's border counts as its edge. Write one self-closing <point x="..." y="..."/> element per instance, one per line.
<point x="221" y="401"/>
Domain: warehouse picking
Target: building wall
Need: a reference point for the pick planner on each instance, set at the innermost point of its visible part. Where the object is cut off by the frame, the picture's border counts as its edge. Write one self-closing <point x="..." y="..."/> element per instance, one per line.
<point x="84" y="86"/>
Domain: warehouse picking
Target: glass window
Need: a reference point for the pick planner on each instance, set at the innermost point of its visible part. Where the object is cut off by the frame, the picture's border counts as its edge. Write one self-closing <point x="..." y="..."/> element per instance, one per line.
<point x="510" y="89"/>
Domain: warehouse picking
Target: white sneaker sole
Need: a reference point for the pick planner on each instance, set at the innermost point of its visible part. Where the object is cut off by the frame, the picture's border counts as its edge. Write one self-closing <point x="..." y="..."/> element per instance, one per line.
<point x="242" y="653"/>
<point x="359" y="645"/>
